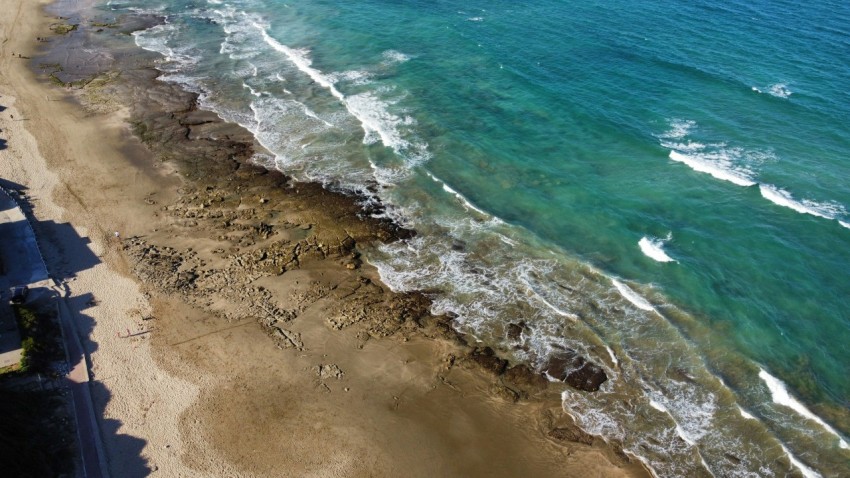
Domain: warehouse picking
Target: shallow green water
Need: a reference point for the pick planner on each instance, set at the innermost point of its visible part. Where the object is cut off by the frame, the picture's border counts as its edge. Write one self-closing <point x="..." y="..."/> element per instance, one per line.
<point x="664" y="182"/>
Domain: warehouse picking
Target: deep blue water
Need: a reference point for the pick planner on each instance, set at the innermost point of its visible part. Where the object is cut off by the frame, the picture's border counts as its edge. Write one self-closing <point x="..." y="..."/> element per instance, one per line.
<point x="661" y="185"/>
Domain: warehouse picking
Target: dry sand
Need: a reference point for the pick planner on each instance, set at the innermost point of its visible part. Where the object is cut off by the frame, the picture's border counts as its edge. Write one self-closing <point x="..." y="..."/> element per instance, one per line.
<point x="201" y="395"/>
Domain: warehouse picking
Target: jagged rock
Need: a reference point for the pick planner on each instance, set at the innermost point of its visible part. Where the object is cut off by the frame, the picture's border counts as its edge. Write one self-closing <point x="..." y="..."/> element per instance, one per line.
<point x="329" y="371"/>
<point x="568" y="366"/>
<point x="487" y="359"/>
<point x="287" y="339"/>
<point x="571" y="434"/>
<point x="504" y="393"/>
<point x="524" y="377"/>
<point x="514" y="331"/>
<point x="588" y="378"/>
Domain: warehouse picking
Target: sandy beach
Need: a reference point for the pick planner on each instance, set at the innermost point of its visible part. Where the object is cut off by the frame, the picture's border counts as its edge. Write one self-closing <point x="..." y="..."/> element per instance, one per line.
<point x="233" y="327"/>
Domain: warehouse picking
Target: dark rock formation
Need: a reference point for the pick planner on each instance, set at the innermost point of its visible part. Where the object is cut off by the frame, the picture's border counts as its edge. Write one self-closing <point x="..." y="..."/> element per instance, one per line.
<point x="571" y="434"/>
<point x="514" y="331"/>
<point x="568" y="366"/>
<point x="523" y="377"/>
<point x="487" y="359"/>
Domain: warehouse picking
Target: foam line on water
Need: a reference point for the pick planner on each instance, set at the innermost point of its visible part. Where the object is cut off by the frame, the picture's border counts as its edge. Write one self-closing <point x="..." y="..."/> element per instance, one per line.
<point x="745" y="414"/>
<point x="780" y="395"/>
<point x="633" y="296"/>
<point x="805" y="470"/>
<point x="716" y="159"/>
<point x="548" y="304"/>
<point x="701" y="165"/>
<point x="394" y="56"/>
<point x="679" y="431"/>
<point x="467" y="204"/>
<point x="613" y="357"/>
<point x="779" y="90"/>
<point x="783" y="198"/>
<point x="366" y="107"/>
<point x="844" y="224"/>
<point x="654" y="249"/>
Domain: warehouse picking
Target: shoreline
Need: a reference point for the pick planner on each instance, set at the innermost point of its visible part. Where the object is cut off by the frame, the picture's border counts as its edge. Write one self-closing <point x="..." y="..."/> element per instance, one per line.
<point x="336" y="387"/>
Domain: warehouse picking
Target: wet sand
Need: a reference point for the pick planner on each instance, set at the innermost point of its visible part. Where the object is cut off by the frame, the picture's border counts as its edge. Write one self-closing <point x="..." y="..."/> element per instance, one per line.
<point x="234" y="328"/>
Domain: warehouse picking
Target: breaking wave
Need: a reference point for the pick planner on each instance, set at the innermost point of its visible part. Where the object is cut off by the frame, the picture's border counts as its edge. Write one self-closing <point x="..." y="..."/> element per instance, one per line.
<point x="654" y="249"/>
<point x="781" y="396"/>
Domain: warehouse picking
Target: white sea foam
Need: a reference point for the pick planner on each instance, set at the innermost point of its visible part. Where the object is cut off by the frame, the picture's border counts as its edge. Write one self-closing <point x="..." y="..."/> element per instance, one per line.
<point x="155" y="39"/>
<point x="375" y="118"/>
<point x="679" y="128"/>
<point x="745" y="414"/>
<point x="654" y="249"/>
<point x="507" y="240"/>
<point x="684" y="436"/>
<point x="355" y="77"/>
<point x="658" y="406"/>
<point x="780" y="395"/>
<point x="705" y="465"/>
<point x="679" y="431"/>
<point x="844" y="224"/>
<point x="716" y="159"/>
<point x="714" y="167"/>
<point x="785" y="199"/>
<point x="613" y="357"/>
<point x="252" y="90"/>
<point x="312" y="114"/>
<point x="558" y="311"/>
<point x="779" y="90"/>
<point x="467" y="204"/>
<point x="633" y="296"/>
<point x="393" y="56"/>
<point x="805" y="470"/>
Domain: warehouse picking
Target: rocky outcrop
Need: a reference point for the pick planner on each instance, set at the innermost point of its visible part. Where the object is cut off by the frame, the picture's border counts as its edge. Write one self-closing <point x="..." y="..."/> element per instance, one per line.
<point x="570" y="367"/>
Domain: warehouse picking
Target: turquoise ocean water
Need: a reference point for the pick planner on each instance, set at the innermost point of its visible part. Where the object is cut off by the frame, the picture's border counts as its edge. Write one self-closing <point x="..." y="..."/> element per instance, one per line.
<point x="660" y="185"/>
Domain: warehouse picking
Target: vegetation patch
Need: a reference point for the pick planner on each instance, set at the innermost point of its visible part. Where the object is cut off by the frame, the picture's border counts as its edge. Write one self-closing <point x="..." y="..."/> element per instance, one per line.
<point x="105" y="25"/>
<point x="63" y="28"/>
<point x="39" y="340"/>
